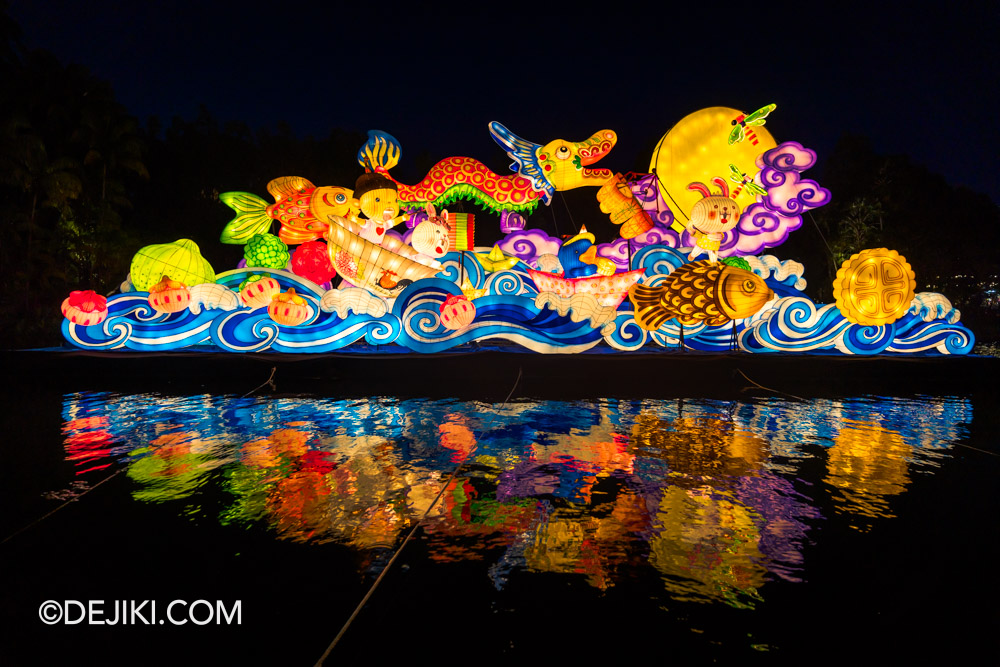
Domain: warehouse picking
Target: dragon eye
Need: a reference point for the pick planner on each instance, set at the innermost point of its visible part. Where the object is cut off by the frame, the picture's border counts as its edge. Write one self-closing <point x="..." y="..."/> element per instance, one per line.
<point x="562" y="152"/>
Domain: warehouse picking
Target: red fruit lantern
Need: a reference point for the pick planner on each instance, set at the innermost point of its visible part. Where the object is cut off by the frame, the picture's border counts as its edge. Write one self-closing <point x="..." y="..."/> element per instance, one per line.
<point x="258" y="294"/>
<point x="288" y="308"/>
<point x="85" y="307"/>
<point x="312" y="261"/>
<point x="457" y="312"/>
<point x="169" y="296"/>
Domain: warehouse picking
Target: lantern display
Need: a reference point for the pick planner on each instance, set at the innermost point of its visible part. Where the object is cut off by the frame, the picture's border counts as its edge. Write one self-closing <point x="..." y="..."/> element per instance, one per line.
<point x="180" y="260"/>
<point x="85" y="307"/>
<point x="618" y="201"/>
<point x="312" y="262"/>
<point x="266" y="251"/>
<point x="288" y="308"/>
<point x="698" y="149"/>
<point x="457" y="312"/>
<point x="169" y="296"/>
<point x="462" y="232"/>
<point x="256" y="291"/>
<point x="874" y="287"/>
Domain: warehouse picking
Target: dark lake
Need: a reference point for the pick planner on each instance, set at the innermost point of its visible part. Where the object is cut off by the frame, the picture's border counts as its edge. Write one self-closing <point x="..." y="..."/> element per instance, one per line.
<point x="684" y="530"/>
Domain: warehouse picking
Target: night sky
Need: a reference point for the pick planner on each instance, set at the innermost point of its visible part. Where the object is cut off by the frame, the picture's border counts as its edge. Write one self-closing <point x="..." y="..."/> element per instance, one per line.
<point x="918" y="81"/>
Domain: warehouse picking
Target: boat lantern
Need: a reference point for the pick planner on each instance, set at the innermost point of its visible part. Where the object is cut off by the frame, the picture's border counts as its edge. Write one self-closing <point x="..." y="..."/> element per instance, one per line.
<point x="85" y="307"/>
<point x="256" y="291"/>
<point x="169" y="296"/>
<point x="457" y="312"/>
<point x="288" y="308"/>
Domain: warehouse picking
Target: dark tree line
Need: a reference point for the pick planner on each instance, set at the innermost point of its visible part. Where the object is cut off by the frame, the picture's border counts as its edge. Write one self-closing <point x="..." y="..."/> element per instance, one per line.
<point x="83" y="186"/>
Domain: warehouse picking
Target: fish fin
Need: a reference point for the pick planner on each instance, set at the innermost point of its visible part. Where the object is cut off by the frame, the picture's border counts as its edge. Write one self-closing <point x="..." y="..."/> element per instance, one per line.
<point x="286" y="186"/>
<point x="251" y="217"/>
<point x="290" y="235"/>
<point x="649" y="313"/>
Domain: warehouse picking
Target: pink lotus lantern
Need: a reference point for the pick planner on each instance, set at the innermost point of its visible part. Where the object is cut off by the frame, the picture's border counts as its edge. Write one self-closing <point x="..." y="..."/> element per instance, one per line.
<point x="85" y="307"/>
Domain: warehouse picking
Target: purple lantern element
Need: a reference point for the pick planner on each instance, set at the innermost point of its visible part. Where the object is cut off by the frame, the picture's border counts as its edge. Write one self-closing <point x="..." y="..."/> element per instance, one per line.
<point x="242" y="264"/>
<point x="529" y="244"/>
<point x="789" y="195"/>
<point x="618" y="251"/>
<point x="643" y="187"/>
<point x="403" y="238"/>
<point x="417" y="215"/>
<point x="789" y="156"/>
<point x="511" y="222"/>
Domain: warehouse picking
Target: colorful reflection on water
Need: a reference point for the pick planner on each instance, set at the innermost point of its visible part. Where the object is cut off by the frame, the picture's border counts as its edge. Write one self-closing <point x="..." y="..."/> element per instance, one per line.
<point x="716" y="497"/>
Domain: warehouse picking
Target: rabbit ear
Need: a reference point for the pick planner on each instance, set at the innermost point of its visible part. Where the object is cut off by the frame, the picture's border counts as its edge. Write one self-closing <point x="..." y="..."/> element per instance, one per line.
<point x="430" y="210"/>
<point x="444" y="214"/>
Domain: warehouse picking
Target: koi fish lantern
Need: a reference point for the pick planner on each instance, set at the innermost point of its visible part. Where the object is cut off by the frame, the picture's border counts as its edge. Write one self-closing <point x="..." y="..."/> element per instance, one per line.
<point x="701" y="291"/>
<point x="288" y="308"/>
<point x="457" y="312"/>
<point x="85" y="307"/>
<point x="711" y="217"/>
<point x="257" y="291"/>
<point x="169" y="296"/>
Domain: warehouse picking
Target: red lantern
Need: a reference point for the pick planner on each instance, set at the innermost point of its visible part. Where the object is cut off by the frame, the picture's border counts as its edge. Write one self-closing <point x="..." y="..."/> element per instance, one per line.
<point x="312" y="261"/>
<point x="457" y="312"/>
<point x="169" y="296"/>
<point x="288" y="308"/>
<point x="258" y="294"/>
<point x="85" y="307"/>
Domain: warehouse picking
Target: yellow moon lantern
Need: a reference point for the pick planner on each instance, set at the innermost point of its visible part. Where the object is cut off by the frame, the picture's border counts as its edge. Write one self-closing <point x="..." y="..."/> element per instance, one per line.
<point x="697" y="149"/>
<point x="874" y="287"/>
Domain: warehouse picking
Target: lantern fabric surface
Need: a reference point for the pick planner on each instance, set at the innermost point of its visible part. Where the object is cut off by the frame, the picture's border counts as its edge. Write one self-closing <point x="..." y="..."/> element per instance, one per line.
<point x="85" y="307"/>
<point x="463" y="231"/>
<point x="181" y="260"/>
<point x="258" y="293"/>
<point x="169" y="296"/>
<point x="312" y="262"/>
<point x="288" y="308"/>
<point x="266" y="251"/>
<point x="457" y="312"/>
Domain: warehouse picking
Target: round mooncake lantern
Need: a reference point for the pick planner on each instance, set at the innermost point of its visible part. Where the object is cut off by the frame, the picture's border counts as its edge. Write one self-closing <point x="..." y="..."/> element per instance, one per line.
<point x="85" y="307"/>
<point x="288" y="308"/>
<point x="457" y="312"/>
<point x="169" y="296"/>
<point x="256" y="291"/>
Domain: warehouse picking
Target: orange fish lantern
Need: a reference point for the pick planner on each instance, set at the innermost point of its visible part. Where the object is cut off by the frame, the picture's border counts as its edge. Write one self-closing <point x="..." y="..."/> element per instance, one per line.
<point x="288" y="308"/>
<point x="257" y="293"/>
<point x="457" y="312"/>
<point x="85" y="307"/>
<point x="169" y="296"/>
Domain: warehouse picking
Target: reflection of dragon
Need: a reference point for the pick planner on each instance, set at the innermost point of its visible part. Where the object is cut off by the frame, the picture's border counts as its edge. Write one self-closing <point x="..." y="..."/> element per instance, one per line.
<point x="541" y="171"/>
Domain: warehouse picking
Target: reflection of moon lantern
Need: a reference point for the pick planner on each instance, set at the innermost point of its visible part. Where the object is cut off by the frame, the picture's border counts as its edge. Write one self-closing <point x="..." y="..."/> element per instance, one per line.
<point x="874" y="287"/>
<point x="697" y="149"/>
<point x="457" y="312"/>
<point x="169" y="296"/>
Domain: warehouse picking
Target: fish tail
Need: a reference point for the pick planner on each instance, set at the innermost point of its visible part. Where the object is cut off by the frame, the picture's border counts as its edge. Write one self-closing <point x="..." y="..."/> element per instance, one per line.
<point x="251" y="217"/>
<point x="649" y="311"/>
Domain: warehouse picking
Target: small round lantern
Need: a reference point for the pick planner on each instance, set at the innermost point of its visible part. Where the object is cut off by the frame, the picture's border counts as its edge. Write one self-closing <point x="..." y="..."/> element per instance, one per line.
<point x="312" y="261"/>
<point x="457" y="312"/>
<point x="85" y="307"/>
<point x="256" y="291"/>
<point x="169" y="296"/>
<point x="288" y="308"/>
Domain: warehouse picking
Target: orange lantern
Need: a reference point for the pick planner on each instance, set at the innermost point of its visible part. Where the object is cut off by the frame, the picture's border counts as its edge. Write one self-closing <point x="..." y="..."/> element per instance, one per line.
<point x="258" y="294"/>
<point x="288" y="308"/>
<point x="85" y="307"/>
<point x="169" y="296"/>
<point x="457" y="312"/>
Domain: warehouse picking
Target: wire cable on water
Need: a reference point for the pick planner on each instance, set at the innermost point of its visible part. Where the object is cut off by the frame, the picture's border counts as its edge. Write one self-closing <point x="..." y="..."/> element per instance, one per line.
<point x="409" y="536"/>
